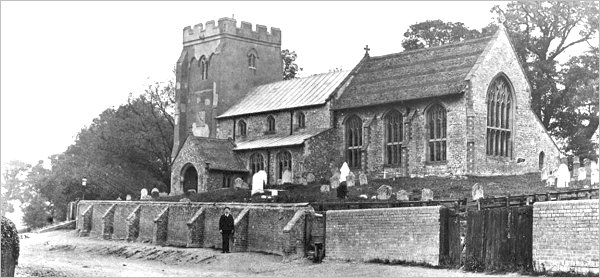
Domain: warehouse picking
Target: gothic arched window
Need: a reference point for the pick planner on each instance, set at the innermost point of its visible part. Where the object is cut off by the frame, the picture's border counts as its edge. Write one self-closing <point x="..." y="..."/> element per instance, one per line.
<point x="242" y="127"/>
<point x="252" y="61"/>
<point x="284" y="162"/>
<point x="270" y="124"/>
<point x="203" y="64"/>
<point x="353" y="141"/>
<point x="301" y="120"/>
<point x="393" y="138"/>
<point x="499" y="118"/>
<point x="436" y="137"/>
<point x="256" y="163"/>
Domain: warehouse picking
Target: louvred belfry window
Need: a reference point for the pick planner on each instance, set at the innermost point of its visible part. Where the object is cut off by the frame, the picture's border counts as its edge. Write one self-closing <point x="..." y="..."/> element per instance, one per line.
<point x="353" y="141"/>
<point x="393" y="138"/>
<point x="436" y="126"/>
<point x="499" y="118"/>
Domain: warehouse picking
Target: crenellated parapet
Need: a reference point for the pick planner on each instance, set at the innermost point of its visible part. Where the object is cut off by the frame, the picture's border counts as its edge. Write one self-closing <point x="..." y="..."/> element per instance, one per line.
<point x="228" y="26"/>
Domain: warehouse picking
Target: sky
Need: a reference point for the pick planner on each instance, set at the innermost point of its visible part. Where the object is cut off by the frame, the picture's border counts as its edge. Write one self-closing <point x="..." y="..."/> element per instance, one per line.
<point x="63" y="63"/>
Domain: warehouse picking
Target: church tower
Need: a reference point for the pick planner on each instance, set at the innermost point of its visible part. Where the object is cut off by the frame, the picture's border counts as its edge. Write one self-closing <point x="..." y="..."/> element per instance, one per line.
<point x="217" y="67"/>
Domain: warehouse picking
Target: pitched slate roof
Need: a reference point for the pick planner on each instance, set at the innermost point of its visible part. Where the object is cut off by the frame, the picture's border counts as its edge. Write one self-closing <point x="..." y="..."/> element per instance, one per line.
<point x="299" y="92"/>
<point x="218" y="153"/>
<point x="277" y="141"/>
<point x="430" y="72"/>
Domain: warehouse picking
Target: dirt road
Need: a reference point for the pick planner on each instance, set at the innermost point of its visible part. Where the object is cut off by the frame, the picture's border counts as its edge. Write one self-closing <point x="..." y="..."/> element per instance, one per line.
<point x="62" y="253"/>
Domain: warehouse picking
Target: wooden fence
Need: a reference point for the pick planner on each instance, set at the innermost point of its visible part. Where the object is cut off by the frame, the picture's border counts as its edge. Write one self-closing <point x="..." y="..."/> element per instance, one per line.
<point x="499" y="239"/>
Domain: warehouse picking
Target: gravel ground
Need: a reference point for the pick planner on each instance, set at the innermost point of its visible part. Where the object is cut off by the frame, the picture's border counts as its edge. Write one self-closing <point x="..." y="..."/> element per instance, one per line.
<point x="62" y="253"/>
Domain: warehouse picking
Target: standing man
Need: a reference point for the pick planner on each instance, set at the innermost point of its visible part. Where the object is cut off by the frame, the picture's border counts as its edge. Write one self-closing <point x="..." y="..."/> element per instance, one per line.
<point x="226" y="228"/>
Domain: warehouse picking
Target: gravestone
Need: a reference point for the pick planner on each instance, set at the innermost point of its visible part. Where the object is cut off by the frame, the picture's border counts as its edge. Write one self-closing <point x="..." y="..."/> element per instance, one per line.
<point x="143" y="193"/>
<point x="258" y="182"/>
<point x="128" y="197"/>
<point x="325" y="188"/>
<point x="581" y="174"/>
<point x="344" y="171"/>
<point x="384" y="192"/>
<point x="426" y="194"/>
<point x="154" y="193"/>
<point x="118" y="198"/>
<point x="594" y="175"/>
<point x="402" y="195"/>
<point x="237" y="183"/>
<point x="373" y="197"/>
<point x="310" y="177"/>
<point x="563" y="176"/>
<point x="286" y="177"/>
<point x="163" y="194"/>
<point x="551" y="181"/>
<point x="477" y="192"/>
<point x="362" y="179"/>
<point x="350" y="179"/>
<point x="334" y="181"/>
<point x="576" y="164"/>
<point x="363" y="196"/>
<point x="303" y="181"/>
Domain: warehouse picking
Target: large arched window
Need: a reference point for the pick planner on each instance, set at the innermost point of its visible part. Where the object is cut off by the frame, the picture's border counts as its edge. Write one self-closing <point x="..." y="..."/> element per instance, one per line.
<point x="242" y="128"/>
<point x="203" y="64"/>
<point x="353" y="141"/>
<point x="270" y="124"/>
<point x="284" y="162"/>
<point x="436" y="137"/>
<point x="499" y="118"/>
<point x="393" y="138"/>
<point x="256" y="163"/>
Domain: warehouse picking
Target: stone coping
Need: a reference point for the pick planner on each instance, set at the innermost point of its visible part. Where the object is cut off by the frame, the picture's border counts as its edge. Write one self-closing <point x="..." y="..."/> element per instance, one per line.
<point x="285" y="205"/>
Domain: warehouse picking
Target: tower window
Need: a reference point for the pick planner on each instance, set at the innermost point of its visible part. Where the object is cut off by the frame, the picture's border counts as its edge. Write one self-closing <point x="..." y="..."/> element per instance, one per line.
<point x="393" y="138"/>
<point x="499" y="118"/>
<point x="301" y="120"/>
<point x="252" y="61"/>
<point x="270" y="124"/>
<point x="436" y="127"/>
<point x="353" y="141"/>
<point x="242" y="127"/>
<point x="203" y="64"/>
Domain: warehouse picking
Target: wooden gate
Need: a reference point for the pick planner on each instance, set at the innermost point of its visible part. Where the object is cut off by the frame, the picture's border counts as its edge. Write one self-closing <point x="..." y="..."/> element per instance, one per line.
<point x="499" y="239"/>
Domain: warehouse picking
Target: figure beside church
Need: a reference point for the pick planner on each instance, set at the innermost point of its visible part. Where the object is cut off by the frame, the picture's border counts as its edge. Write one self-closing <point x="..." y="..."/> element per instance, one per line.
<point x="457" y="109"/>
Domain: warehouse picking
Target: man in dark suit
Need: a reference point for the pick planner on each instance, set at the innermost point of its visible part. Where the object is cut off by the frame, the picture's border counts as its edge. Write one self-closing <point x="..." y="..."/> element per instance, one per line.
<point x="226" y="228"/>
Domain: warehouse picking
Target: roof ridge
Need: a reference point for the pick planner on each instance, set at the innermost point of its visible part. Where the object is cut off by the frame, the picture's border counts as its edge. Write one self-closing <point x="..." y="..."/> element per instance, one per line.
<point x="407" y="52"/>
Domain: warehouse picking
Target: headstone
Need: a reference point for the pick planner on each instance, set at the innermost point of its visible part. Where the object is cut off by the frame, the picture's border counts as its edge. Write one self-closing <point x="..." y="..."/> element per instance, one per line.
<point x="477" y="192"/>
<point x="588" y="168"/>
<point x="154" y="193"/>
<point x="258" y="182"/>
<point x="362" y="179"/>
<point x="325" y="188"/>
<point x="146" y="198"/>
<point x="384" y="192"/>
<point x="563" y="176"/>
<point x="128" y="197"/>
<point x="363" y="196"/>
<point x="286" y="177"/>
<point x="551" y="181"/>
<point x="163" y="194"/>
<point x="350" y="179"/>
<point x="426" y="194"/>
<point x="119" y="198"/>
<point x="185" y="200"/>
<point x="594" y="176"/>
<point x="373" y="197"/>
<point x="310" y="177"/>
<point x="238" y="183"/>
<point x="402" y="195"/>
<point x="544" y="174"/>
<point x="581" y="174"/>
<point x="143" y="192"/>
<point x="334" y="181"/>
<point x="344" y="171"/>
<point x="303" y="181"/>
<point x="576" y="165"/>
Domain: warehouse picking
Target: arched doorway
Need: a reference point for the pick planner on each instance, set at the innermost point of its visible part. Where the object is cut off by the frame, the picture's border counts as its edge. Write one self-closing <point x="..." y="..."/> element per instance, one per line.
<point x="190" y="178"/>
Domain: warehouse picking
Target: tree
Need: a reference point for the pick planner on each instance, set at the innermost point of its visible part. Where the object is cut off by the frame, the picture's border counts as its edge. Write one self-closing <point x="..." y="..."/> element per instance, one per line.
<point x="37" y="213"/>
<point x="290" y="68"/>
<point x="576" y="119"/>
<point x="436" y="32"/>
<point x="540" y="32"/>
<point x="14" y="186"/>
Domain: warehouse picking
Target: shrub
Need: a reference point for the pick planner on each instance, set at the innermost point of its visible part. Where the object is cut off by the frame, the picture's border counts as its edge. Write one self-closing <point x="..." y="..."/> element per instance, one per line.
<point x="342" y="190"/>
<point x="10" y="247"/>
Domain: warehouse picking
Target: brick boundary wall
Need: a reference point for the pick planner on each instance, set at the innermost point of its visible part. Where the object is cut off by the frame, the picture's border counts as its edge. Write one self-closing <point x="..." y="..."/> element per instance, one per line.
<point x="565" y="236"/>
<point x="272" y="228"/>
<point x="410" y="234"/>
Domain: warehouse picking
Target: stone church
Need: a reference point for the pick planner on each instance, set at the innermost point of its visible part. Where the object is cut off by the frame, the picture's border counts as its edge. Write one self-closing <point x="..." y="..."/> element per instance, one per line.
<point x="457" y="109"/>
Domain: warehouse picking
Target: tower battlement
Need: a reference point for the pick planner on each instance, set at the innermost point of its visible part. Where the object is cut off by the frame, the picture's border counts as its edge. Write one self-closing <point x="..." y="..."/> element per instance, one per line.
<point x="228" y="26"/>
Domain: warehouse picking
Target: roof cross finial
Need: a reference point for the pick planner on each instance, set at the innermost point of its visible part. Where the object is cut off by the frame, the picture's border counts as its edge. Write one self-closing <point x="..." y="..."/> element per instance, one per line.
<point x="367" y="50"/>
